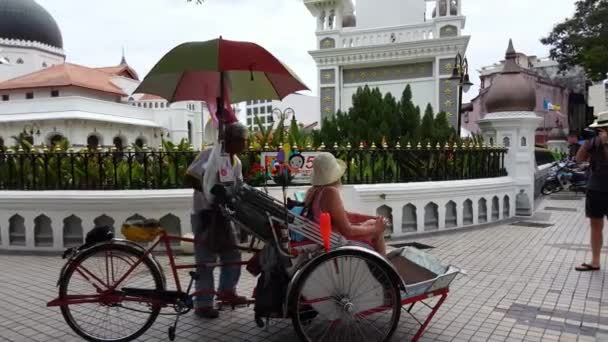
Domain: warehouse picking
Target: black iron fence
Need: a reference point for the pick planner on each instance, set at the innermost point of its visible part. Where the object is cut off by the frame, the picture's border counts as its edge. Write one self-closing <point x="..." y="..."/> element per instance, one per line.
<point x="87" y="170"/>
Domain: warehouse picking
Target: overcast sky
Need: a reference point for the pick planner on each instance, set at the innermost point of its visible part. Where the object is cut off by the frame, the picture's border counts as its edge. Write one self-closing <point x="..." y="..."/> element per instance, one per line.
<point x="94" y="31"/>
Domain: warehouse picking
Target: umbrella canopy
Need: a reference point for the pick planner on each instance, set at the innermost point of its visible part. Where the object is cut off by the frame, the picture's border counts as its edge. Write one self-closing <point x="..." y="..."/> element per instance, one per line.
<point x="193" y="72"/>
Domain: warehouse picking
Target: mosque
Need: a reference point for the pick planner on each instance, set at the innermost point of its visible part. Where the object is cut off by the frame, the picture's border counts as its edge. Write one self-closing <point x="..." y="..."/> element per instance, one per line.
<point x="45" y="98"/>
<point x="388" y="44"/>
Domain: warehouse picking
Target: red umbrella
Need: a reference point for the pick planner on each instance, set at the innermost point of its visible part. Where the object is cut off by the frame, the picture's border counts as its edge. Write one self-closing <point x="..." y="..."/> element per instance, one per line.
<point x="220" y="71"/>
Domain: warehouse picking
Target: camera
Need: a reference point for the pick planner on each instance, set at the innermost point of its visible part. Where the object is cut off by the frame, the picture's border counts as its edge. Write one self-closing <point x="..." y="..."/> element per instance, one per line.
<point x="588" y="133"/>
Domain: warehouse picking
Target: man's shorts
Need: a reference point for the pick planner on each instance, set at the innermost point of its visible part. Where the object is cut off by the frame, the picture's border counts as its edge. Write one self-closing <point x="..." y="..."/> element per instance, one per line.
<point x="596" y="205"/>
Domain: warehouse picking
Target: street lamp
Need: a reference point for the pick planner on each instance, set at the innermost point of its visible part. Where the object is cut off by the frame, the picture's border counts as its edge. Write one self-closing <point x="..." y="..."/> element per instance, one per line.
<point x="162" y="133"/>
<point x="460" y="73"/>
<point x="285" y="114"/>
<point x="29" y="129"/>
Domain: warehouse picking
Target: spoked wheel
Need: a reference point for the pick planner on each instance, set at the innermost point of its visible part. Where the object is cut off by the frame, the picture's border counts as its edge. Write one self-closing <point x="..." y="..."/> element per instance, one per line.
<point x="109" y="315"/>
<point x="346" y="295"/>
<point x="550" y="188"/>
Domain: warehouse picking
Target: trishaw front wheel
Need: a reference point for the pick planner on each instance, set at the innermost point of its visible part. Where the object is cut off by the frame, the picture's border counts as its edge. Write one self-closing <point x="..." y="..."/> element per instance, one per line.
<point x="95" y="311"/>
<point x="346" y="295"/>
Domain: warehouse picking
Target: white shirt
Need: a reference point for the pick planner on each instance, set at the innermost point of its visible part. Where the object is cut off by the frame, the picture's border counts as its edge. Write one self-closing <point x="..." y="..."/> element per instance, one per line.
<point x="197" y="170"/>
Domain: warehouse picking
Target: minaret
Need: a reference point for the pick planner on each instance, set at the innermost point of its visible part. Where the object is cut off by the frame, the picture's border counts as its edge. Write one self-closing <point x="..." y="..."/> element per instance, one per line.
<point x="512" y="122"/>
<point x="123" y="60"/>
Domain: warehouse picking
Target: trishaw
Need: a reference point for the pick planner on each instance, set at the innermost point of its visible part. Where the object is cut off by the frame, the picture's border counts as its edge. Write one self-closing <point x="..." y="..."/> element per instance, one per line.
<point x="114" y="289"/>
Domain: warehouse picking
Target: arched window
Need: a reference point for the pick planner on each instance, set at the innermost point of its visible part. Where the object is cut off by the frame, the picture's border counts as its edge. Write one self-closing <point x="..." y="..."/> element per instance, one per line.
<point x="155" y="104"/>
<point x="118" y="143"/>
<point x="190" y="131"/>
<point x="44" y="65"/>
<point x="93" y="142"/>
<point x="55" y="139"/>
<point x="140" y="142"/>
<point x="19" y="61"/>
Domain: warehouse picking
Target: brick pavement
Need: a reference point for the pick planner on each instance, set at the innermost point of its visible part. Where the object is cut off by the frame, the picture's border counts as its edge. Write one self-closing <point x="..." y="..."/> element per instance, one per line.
<point x="520" y="286"/>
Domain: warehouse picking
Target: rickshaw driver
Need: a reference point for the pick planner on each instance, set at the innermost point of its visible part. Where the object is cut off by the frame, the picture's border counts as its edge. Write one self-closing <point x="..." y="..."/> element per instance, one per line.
<point x="205" y="219"/>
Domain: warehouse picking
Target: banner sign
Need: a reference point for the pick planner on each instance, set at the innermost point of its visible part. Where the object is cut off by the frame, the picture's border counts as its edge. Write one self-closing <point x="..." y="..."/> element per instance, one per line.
<point x="300" y="165"/>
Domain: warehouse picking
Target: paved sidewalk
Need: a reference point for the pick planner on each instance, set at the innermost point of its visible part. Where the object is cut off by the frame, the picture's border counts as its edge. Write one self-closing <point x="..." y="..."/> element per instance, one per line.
<point x="521" y="286"/>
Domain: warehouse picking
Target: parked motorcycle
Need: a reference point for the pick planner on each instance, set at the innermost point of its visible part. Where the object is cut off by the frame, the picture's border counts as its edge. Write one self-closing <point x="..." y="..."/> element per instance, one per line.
<point x="565" y="175"/>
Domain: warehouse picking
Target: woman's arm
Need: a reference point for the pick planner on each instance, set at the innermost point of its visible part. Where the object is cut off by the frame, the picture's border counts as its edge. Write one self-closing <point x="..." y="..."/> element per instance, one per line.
<point x="583" y="152"/>
<point x="332" y="203"/>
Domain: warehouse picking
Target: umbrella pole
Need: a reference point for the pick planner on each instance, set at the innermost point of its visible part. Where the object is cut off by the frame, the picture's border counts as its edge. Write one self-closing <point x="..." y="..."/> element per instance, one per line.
<point x="220" y="112"/>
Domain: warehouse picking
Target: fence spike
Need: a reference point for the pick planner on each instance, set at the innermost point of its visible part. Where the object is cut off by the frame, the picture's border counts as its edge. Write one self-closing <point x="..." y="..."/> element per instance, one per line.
<point x="373" y="145"/>
<point x="322" y="147"/>
<point x="20" y="149"/>
<point x="361" y="146"/>
<point x="295" y="146"/>
<point x="266" y="147"/>
<point x="428" y="145"/>
<point x="409" y="145"/>
<point x="10" y="151"/>
<point x="398" y="145"/>
<point x="384" y="144"/>
<point x="175" y="148"/>
<point x="349" y="146"/>
<point x="419" y="146"/>
<point x="336" y="146"/>
<point x="44" y="148"/>
<point x="438" y="146"/>
<point x="308" y="145"/>
<point x="191" y="147"/>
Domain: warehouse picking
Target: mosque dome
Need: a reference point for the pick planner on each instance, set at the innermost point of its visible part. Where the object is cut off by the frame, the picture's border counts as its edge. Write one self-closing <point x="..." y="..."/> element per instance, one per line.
<point x="27" y="20"/>
<point x="510" y="91"/>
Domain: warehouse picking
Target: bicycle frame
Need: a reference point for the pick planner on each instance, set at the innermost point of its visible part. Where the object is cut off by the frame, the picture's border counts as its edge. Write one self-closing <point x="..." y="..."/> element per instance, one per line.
<point x="109" y="294"/>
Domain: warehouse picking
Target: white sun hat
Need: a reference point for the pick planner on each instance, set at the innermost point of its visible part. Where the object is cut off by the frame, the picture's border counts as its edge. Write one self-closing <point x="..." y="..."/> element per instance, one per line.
<point x="601" y="121"/>
<point x="326" y="169"/>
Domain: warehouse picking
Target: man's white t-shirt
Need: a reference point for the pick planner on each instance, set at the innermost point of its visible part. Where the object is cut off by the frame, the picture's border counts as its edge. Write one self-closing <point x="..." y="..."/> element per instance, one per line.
<point x="197" y="170"/>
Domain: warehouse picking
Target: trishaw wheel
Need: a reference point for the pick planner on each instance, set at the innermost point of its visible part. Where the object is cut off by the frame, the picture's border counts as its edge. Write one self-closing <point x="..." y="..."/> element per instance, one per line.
<point x="109" y="318"/>
<point x="346" y="295"/>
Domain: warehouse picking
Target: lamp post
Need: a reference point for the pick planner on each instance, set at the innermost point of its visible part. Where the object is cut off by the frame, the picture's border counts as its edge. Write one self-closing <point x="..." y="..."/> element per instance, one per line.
<point x="29" y="130"/>
<point x="460" y="73"/>
<point x="282" y="116"/>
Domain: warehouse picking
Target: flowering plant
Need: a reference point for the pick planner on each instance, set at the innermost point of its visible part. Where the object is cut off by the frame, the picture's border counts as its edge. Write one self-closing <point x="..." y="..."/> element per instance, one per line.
<point x="256" y="175"/>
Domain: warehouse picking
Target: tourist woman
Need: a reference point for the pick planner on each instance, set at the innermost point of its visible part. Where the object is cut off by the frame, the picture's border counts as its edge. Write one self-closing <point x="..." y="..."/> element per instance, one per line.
<point x="324" y="197"/>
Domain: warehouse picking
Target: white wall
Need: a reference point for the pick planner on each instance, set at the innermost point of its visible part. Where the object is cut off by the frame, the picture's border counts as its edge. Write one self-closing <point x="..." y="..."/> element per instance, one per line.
<point x="33" y="60"/>
<point x="385" y="13"/>
<point x="306" y="107"/>
<point x="365" y="199"/>
<point x="174" y="119"/>
<point x="597" y="98"/>
<point x="44" y="93"/>
<point x="423" y="92"/>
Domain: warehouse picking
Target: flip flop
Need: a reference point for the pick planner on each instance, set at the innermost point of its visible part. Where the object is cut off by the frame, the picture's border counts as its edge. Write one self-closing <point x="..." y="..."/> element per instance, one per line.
<point x="584" y="267"/>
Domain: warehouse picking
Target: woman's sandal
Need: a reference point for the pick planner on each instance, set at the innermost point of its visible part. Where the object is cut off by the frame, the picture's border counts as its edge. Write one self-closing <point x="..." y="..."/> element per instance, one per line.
<point x="584" y="267"/>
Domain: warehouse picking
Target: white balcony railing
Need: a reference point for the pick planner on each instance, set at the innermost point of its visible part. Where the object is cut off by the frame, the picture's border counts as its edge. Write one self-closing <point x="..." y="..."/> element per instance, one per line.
<point x="357" y="38"/>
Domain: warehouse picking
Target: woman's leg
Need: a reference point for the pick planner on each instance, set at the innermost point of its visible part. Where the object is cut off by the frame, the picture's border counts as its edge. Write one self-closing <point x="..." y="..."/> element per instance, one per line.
<point x="379" y="243"/>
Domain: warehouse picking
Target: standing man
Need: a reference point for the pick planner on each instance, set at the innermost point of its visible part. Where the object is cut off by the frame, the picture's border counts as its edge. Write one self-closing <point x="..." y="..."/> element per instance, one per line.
<point x="596" y="207"/>
<point x="211" y="230"/>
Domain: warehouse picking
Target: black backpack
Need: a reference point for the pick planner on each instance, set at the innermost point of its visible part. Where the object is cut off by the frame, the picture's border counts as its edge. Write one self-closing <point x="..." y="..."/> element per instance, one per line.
<point x="271" y="289"/>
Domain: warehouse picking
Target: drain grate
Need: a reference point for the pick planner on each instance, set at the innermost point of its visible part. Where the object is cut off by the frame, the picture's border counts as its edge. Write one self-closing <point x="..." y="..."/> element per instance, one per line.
<point x="561" y="209"/>
<point x="417" y="245"/>
<point x="531" y="224"/>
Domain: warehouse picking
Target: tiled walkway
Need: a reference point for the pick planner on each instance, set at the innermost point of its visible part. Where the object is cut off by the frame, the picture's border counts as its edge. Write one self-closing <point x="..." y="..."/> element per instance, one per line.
<point x="520" y="286"/>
